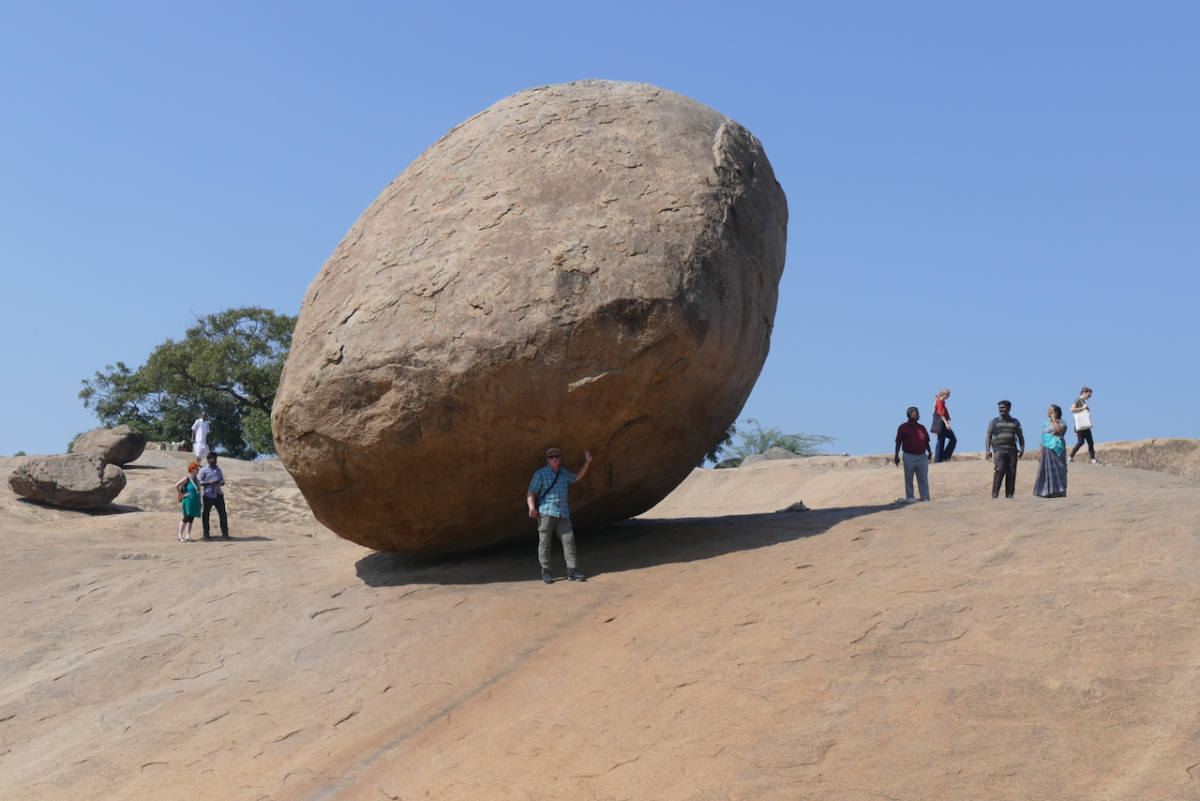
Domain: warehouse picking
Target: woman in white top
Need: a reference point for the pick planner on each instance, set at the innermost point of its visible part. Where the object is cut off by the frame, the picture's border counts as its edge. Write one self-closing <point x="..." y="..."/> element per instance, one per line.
<point x="1083" y="425"/>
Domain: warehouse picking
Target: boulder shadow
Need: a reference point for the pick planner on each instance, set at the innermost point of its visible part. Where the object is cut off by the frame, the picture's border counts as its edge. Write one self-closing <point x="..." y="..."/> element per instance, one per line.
<point x="629" y="545"/>
<point x="219" y="538"/>
<point x="99" y="511"/>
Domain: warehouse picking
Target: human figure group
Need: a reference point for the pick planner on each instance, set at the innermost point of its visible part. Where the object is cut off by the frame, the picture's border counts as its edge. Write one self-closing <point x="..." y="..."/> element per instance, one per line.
<point x="1004" y="447"/>
<point x="200" y="491"/>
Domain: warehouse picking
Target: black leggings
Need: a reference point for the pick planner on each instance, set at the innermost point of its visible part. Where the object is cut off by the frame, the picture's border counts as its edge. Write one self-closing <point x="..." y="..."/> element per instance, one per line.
<point x="1084" y="436"/>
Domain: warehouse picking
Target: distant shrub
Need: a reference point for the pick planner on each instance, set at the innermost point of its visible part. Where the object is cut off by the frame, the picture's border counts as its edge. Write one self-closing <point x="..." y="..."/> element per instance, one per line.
<point x="761" y="440"/>
<point x="74" y="439"/>
<point x="20" y="453"/>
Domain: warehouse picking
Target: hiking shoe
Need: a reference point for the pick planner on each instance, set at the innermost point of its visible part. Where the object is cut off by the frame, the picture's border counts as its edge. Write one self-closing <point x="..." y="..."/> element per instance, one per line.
<point x="1070" y="458"/>
<point x="574" y="575"/>
<point x="1097" y="461"/>
<point x="547" y="577"/>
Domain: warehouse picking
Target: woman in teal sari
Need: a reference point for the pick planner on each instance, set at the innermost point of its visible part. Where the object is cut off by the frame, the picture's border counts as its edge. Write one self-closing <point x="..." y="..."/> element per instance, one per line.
<point x="1052" y="466"/>
<point x="188" y="488"/>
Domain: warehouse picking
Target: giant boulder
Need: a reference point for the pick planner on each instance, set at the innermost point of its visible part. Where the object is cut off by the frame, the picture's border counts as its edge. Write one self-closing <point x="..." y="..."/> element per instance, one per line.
<point x="590" y="265"/>
<point x="120" y="445"/>
<point x="73" y="480"/>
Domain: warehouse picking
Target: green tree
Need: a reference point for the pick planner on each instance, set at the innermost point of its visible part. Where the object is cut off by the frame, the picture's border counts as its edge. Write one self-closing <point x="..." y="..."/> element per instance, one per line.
<point x="714" y="453"/>
<point x="228" y="365"/>
<point x="760" y="440"/>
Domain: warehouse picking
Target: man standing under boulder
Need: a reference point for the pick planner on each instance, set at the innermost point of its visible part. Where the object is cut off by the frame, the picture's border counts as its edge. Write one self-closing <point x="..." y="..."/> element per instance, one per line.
<point x="200" y="430"/>
<point x="547" y="501"/>
<point x="1004" y="435"/>
<point x="211" y="481"/>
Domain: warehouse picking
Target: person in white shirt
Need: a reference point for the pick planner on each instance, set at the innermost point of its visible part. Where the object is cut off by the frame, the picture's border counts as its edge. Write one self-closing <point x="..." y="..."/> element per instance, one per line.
<point x="200" y="430"/>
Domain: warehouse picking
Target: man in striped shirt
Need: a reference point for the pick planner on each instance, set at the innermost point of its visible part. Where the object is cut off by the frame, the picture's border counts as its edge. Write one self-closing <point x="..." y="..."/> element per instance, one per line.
<point x="1006" y="438"/>
<point x="547" y="501"/>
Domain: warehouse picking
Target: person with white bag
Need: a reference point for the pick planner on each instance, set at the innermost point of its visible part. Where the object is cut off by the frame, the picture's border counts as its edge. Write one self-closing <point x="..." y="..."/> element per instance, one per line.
<point x="1083" y="425"/>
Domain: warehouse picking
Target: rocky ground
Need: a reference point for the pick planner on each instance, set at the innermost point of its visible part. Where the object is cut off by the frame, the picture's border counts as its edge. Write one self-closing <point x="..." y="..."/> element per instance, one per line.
<point x="967" y="648"/>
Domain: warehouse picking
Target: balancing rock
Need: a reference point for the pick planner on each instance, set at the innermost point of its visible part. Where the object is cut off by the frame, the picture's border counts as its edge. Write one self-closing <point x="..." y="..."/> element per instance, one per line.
<point x="72" y="480"/>
<point x="593" y="265"/>
<point x="120" y="445"/>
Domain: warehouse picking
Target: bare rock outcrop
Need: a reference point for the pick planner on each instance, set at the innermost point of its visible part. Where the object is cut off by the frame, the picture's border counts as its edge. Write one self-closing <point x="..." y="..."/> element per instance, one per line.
<point x="769" y="455"/>
<point x="1175" y="456"/>
<point x="590" y="265"/>
<point x="120" y="445"/>
<point x="73" y="480"/>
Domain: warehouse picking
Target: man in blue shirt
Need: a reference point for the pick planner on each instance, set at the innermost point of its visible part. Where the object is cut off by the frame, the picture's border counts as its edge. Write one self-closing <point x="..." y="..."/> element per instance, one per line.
<point x="211" y="481"/>
<point x="547" y="501"/>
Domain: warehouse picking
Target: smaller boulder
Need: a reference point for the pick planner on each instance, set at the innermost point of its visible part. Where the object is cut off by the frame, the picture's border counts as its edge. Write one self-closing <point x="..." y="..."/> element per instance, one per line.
<point x="120" y="445"/>
<point x="73" y="480"/>
<point x="769" y="456"/>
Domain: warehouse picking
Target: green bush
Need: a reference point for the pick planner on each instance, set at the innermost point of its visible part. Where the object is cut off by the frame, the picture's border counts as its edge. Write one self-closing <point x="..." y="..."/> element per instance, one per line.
<point x="761" y="440"/>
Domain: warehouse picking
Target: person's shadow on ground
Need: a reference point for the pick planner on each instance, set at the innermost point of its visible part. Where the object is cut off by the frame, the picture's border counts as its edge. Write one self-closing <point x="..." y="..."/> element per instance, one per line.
<point x="630" y="545"/>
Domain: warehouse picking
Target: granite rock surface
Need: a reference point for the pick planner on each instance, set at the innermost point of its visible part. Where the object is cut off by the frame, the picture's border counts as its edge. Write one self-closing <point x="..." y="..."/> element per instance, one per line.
<point x="770" y="455"/>
<point x="73" y="480"/>
<point x="120" y="445"/>
<point x="967" y="648"/>
<point x="1175" y="456"/>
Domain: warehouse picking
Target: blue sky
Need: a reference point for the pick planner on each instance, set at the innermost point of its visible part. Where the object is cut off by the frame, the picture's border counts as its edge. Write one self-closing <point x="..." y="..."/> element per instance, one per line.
<point x="1003" y="199"/>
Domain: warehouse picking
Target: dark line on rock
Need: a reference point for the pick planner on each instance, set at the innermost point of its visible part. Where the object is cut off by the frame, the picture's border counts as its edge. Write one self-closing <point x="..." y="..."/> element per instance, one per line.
<point x="368" y="761"/>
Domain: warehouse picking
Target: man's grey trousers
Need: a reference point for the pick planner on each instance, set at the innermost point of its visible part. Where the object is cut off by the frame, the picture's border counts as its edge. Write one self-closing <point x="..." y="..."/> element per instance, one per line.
<point x="549" y="525"/>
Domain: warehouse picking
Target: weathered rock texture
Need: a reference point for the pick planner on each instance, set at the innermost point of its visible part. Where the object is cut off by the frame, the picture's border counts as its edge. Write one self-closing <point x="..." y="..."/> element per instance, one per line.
<point x="120" y="445"/>
<point x="967" y="649"/>
<point x="770" y="455"/>
<point x="592" y="265"/>
<point x="73" y="480"/>
<point x="1176" y="456"/>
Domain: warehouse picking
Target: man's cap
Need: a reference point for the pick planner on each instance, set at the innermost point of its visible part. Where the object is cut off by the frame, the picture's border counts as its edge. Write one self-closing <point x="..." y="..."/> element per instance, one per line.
<point x="552" y="451"/>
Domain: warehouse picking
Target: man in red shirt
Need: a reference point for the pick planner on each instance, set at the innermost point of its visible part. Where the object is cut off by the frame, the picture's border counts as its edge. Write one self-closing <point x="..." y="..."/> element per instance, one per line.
<point x="913" y="437"/>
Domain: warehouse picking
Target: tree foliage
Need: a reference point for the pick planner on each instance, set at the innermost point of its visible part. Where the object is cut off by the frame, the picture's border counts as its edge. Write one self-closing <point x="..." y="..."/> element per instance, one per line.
<point x="761" y="440"/>
<point x="714" y="453"/>
<point x="228" y="365"/>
